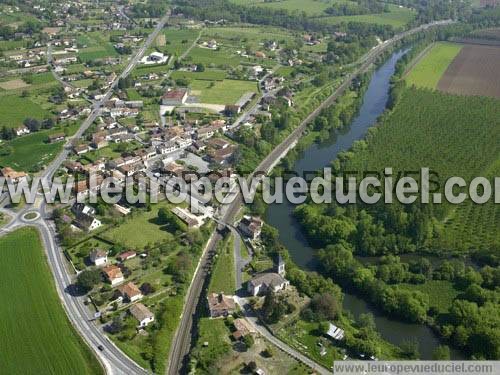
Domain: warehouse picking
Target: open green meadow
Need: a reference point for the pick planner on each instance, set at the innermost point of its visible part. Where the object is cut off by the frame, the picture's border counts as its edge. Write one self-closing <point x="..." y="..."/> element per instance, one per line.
<point x="222" y="92"/>
<point x="140" y="229"/>
<point x="32" y="150"/>
<point x="37" y="337"/>
<point x="428" y="71"/>
<point x="97" y="45"/>
<point x="15" y="109"/>
<point x="311" y="7"/>
<point x="207" y="75"/>
<point x="223" y="278"/>
<point x="178" y="41"/>
<point x="397" y="17"/>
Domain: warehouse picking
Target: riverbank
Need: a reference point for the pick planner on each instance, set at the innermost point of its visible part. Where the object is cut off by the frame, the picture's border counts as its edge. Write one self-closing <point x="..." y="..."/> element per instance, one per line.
<point x="316" y="156"/>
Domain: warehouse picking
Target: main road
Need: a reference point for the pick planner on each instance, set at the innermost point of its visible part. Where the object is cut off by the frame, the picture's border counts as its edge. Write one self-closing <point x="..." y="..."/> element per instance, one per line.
<point x="112" y="358"/>
<point x="182" y="340"/>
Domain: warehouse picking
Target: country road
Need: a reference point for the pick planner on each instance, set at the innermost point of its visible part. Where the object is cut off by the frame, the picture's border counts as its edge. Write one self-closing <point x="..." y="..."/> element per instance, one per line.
<point x="182" y="341"/>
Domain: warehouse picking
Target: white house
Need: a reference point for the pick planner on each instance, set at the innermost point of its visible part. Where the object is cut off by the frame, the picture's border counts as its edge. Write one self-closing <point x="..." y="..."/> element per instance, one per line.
<point x="87" y="222"/>
<point x="335" y="332"/>
<point x="98" y="257"/>
<point x="142" y="314"/>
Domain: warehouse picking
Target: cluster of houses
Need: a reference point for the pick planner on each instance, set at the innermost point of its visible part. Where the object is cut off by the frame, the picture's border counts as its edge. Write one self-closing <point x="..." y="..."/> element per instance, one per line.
<point x="128" y="291"/>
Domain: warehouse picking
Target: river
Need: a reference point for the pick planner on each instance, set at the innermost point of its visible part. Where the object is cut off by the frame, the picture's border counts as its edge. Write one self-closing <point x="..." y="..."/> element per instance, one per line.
<point x="319" y="156"/>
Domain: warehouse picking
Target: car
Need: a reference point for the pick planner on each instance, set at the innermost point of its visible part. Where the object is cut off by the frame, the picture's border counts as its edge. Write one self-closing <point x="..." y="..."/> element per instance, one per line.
<point x="100" y="347"/>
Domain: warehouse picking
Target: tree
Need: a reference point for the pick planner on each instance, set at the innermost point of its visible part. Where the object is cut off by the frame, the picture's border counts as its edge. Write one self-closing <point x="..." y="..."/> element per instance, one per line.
<point x="87" y="279"/>
<point x="442" y="352"/>
<point x="248" y="340"/>
<point x="325" y="306"/>
<point x="409" y="349"/>
<point x="167" y="217"/>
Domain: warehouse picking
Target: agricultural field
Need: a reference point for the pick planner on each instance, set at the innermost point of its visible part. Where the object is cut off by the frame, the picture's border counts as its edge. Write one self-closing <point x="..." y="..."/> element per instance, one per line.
<point x="429" y="70"/>
<point x="97" y="45"/>
<point x="474" y="71"/>
<point x="36" y="334"/>
<point x="397" y="17"/>
<point x="310" y="7"/>
<point x="178" y="41"/>
<point x="444" y="133"/>
<point x="222" y="92"/>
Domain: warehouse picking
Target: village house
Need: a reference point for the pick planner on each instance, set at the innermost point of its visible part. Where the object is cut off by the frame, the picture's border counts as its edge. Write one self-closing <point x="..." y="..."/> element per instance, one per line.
<point x="113" y="274"/>
<point x="186" y="218"/>
<point x="87" y="222"/>
<point x="12" y="176"/>
<point x="220" y="305"/>
<point x="335" y="332"/>
<point x="242" y="328"/>
<point x="166" y="148"/>
<point x="175" y="97"/>
<point x="58" y="137"/>
<point x="98" y="257"/>
<point x="81" y="149"/>
<point x="21" y="130"/>
<point x="130" y="292"/>
<point x="126" y="256"/>
<point x="251" y="226"/>
<point x="142" y="314"/>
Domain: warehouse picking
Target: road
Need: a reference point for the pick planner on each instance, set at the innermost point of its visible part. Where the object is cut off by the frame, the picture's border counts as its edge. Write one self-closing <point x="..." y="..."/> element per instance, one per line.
<point x="113" y="359"/>
<point x="182" y="339"/>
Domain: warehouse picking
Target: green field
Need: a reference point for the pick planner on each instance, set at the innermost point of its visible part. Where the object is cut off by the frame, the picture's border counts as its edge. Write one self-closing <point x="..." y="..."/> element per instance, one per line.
<point x="428" y="71"/>
<point x="32" y="150"/>
<point x="37" y="337"/>
<point x="210" y="57"/>
<point x="223" y="278"/>
<point x="207" y="75"/>
<point x="97" y="45"/>
<point x="310" y="7"/>
<point x="14" y="110"/>
<point x="397" y="17"/>
<point x="140" y="230"/>
<point x="178" y="41"/>
<point x="222" y="92"/>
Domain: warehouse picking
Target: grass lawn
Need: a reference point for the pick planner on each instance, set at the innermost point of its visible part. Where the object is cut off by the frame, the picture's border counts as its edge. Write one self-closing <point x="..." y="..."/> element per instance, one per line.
<point x="178" y="41"/>
<point x="429" y="70"/>
<point x="222" y="92"/>
<point x="441" y="293"/>
<point x="37" y="337"/>
<point x="14" y="110"/>
<point x="209" y="75"/>
<point x="208" y="57"/>
<point x="140" y="229"/>
<point x="32" y="150"/>
<point x="216" y="334"/>
<point x="223" y="278"/>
